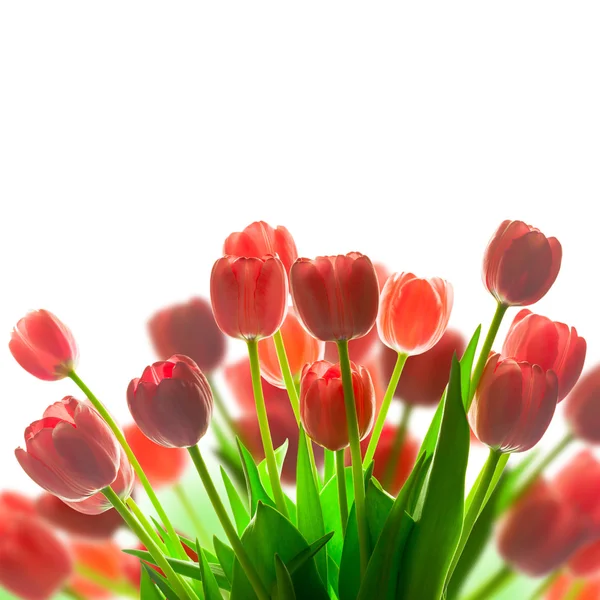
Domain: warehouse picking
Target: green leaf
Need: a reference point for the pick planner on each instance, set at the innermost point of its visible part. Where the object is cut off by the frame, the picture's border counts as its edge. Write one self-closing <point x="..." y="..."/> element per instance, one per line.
<point x="310" y="515"/>
<point x="329" y="470"/>
<point x="280" y="454"/>
<point x="333" y="572"/>
<point x="515" y="482"/>
<point x="240" y="513"/>
<point x="436" y="533"/>
<point x="209" y="583"/>
<point x="284" y="586"/>
<point x="270" y="533"/>
<point x="256" y="491"/>
<point x="305" y="555"/>
<point x="161" y="583"/>
<point x="466" y="366"/>
<point x="226" y="557"/>
<point x="148" y="591"/>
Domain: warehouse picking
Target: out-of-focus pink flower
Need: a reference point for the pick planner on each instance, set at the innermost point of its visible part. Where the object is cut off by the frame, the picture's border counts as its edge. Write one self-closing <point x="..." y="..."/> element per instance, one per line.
<point x="190" y="329"/>
<point x="563" y="585"/>
<point x="360" y="349"/>
<point x="259" y="239"/>
<point x="70" y="452"/>
<point x="582" y="407"/>
<point x="513" y="405"/>
<point x="520" y="264"/>
<point x="15" y="502"/>
<point x="44" y="346"/>
<point x="336" y="297"/>
<point x="586" y="561"/>
<point x="300" y="347"/>
<point x="249" y="296"/>
<point x="171" y="402"/>
<point x="549" y="344"/>
<point x="414" y="312"/>
<point x="322" y="408"/>
<point x="383" y="274"/>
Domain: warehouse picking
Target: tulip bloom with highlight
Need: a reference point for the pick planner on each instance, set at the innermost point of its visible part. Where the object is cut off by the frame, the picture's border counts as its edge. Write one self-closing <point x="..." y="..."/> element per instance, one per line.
<point x="259" y="239"/>
<point x="336" y="297"/>
<point x="414" y="312"/>
<point x="301" y="348"/>
<point x="549" y="344"/>
<point x="520" y="264"/>
<point x="44" y="346"/>
<point x="70" y="452"/>
<point x="171" y="402"/>
<point x="190" y="329"/>
<point x="322" y="408"/>
<point x="582" y="407"/>
<point x="249" y="296"/>
<point x="513" y="405"/>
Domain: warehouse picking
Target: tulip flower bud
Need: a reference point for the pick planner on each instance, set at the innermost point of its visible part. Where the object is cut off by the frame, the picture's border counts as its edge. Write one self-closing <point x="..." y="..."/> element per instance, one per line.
<point x="513" y="405"/>
<point x="520" y="264"/>
<point x="582" y="407"/>
<point x="249" y="296"/>
<point x="551" y="345"/>
<point x="414" y="312"/>
<point x="171" y="402"/>
<point x="162" y="466"/>
<point x="44" y="346"/>
<point x="260" y="239"/>
<point x="34" y="563"/>
<point x="336" y="297"/>
<point x="189" y="329"/>
<point x="322" y="408"/>
<point x="70" y="452"/>
<point x="301" y="348"/>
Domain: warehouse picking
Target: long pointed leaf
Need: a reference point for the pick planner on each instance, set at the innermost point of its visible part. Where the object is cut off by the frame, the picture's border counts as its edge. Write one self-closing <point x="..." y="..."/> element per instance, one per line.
<point x="239" y="510"/>
<point x="209" y="583"/>
<point x="284" y="584"/>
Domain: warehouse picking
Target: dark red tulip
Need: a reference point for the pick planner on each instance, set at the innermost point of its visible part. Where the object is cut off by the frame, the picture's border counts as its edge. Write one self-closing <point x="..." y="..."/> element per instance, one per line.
<point x="260" y="239"/>
<point x="520" y="264"/>
<point x="336" y="297"/>
<point x="549" y="344"/>
<point x="249" y="296"/>
<point x="586" y="561"/>
<point x="171" y="402"/>
<point x="582" y="407"/>
<point x="44" y="346"/>
<point x="190" y="329"/>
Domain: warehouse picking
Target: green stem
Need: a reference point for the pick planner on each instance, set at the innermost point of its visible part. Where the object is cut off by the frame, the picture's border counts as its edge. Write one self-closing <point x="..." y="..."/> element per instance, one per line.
<point x="220" y="404"/>
<point x="575" y="589"/>
<point x="341" y="484"/>
<point x="329" y="469"/>
<point x="228" y="527"/>
<point x="391" y="467"/>
<point x="118" y="588"/>
<point x="134" y="462"/>
<point x="149" y="527"/>
<point x="71" y="593"/>
<point x="265" y="432"/>
<point x="541" y="589"/>
<point x="146" y="539"/>
<point x="185" y="501"/>
<point x="357" y="471"/>
<point x="478" y="500"/>
<point x="493" y="585"/>
<point x="485" y="350"/>
<point x="385" y="406"/>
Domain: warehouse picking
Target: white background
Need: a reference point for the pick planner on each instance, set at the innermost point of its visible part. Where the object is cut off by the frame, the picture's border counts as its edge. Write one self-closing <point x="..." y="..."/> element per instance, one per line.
<point x="134" y="137"/>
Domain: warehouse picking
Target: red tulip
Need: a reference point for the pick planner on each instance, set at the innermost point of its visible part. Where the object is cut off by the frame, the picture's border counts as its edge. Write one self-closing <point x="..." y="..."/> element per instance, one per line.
<point x="44" y="346"/>
<point x="15" y="502"/>
<point x="551" y="345"/>
<point x="582" y="408"/>
<point x="249" y="296"/>
<point x="70" y="452"/>
<point x="188" y="329"/>
<point x="414" y="312"/>
<point x="513" y="405"/>
<point x="540" y="532"/>
<point x="260" y="239"/>
<point x="520" y="264"/>
<point x="162" y="466"/>
<point x="75" y="523"/>
<point x="586" y="561"/>
<point x="171" y="402"/>
<point x="561" y="587"/>
<point x="425" y="376"/>
<point x="301" y="348"/>
<point x="383" y="274"/>
<point x="336" y="297"/>
<point x="322" y="408"/>
<point x="34" y="562"/>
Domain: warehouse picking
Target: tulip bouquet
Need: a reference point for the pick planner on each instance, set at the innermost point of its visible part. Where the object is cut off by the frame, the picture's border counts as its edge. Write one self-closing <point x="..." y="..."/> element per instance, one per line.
<point x="320" y="495"/>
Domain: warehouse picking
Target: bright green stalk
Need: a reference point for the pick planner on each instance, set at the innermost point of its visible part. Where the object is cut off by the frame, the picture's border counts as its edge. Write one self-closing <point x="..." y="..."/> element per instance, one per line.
<point x="493" y="585"/>
<point x="341" y="485"/>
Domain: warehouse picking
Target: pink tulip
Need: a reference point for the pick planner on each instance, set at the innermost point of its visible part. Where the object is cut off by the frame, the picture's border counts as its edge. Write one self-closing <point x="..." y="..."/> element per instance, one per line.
<point x="582" y="407"/>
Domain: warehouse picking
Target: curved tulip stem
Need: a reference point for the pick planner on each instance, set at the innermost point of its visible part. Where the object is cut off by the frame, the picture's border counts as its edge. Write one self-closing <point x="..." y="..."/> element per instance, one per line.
<point x="192" y="515"/>
<point x="357" y="471"/>
<point x="493" y="585"/>
<point x="265" y="432"/>
<point x="391" y="467"/>
<point x="134" y="462"/>
<point x="145" y="523"/>
<point x="228" y="527"/>
<point x="385" y="406"/>
<point x="159" y="558"/>
<point x="117" y="587"/>
<point x="340" y="469"/>
<point x="541" y="589"/>
<point x="485" y="350"/>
